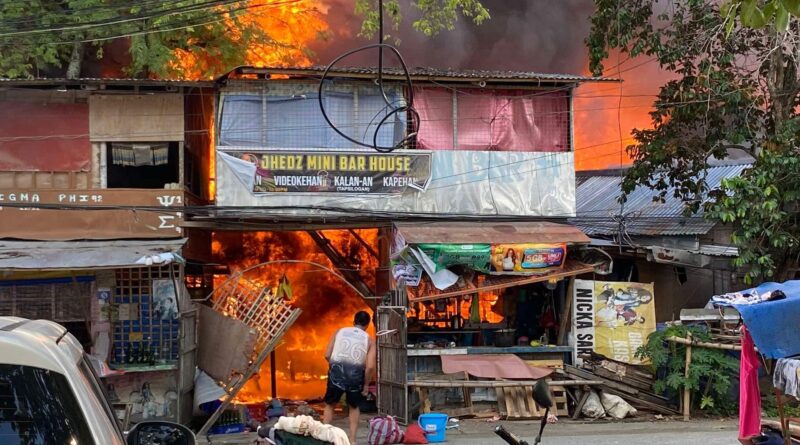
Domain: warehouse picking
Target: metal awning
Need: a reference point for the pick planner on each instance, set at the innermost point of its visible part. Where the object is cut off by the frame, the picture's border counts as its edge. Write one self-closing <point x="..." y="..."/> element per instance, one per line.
<point x="496" y="282"/>
<point x="488" y="232"/>
<point x="73" y="255"/>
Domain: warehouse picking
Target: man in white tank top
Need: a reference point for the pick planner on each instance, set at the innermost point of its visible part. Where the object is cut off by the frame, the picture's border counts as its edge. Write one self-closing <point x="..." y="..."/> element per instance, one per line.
<point x="351" y="357"/>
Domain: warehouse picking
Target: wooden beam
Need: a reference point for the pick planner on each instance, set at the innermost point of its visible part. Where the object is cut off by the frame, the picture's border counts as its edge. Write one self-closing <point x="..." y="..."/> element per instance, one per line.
<point x="703" y="344"/>
<point x="366" y="245"/>
<point x="566" y="316"/>
<point x="496" y="383"/>
<point x="338" y="262"/>
<point x="687" y="394"/>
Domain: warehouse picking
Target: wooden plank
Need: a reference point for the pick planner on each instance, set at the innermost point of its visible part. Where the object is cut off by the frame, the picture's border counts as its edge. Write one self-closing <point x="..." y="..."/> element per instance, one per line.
<point x="632" y="395"/>
<point x="579" y="406"/>
<point x="502" y="406"/>
<point x="560" y="400"/>
<point x="552" y="364"/>
<point x="496" y="383"/>
<point x="519" y="402"/>
<point x="566" y="316"/>
<point x="687" y="394"/>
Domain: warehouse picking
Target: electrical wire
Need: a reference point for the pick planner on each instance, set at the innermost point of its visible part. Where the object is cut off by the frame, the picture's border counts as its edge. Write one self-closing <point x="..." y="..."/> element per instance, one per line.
<point x="407" y="107"/>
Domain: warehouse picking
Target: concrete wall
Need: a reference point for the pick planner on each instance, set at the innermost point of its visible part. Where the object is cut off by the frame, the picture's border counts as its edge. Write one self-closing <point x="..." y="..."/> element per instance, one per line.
<point x="672" y="295"/>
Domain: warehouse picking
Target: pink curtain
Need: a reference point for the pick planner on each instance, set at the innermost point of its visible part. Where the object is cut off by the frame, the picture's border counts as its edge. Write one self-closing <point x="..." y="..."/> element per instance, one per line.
<point x="435" y="108"/>
<point x="502" y="120"/>
<point x="749" y="393"/>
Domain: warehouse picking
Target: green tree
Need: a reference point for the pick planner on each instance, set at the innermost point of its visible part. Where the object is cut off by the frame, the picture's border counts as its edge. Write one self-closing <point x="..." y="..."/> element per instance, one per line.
<point x="39" y="34"/>
<point x="735" y="86"/>
<point x="435" y="15"/>
<point x="760" y="13"/>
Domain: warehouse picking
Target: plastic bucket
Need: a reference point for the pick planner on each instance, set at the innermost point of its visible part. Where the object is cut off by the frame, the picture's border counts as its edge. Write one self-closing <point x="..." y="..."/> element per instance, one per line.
<point x="434" y="425"/>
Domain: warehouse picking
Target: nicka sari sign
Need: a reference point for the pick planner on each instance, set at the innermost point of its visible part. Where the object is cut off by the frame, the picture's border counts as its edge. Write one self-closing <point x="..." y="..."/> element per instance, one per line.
<point x="612" y="318"/>
<point x="338" y="172"/>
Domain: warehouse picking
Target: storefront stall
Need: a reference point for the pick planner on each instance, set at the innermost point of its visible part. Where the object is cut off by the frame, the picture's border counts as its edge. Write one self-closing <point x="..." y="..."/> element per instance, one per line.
<point x="126" y="303"/>
<point x="479" y="290"/>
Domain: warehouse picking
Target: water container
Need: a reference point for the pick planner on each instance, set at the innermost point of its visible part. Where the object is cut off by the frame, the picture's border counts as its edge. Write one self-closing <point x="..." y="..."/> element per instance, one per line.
<point x="434" y="425"/>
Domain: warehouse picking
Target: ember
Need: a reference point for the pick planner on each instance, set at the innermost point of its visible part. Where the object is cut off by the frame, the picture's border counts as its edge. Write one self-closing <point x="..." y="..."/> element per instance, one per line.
<point x="327" y="302"/>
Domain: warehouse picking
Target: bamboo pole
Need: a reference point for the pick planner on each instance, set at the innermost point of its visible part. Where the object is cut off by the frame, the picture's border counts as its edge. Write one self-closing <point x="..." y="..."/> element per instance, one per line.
<point x="687" y="405"/>
<point x="702" y="344"/>
<point x="495" y="383"/>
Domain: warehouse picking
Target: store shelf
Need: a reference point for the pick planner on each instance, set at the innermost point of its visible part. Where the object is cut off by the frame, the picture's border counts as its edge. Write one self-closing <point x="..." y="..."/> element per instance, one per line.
<point x="146" y="368"/>
<point x="517" y="349"/>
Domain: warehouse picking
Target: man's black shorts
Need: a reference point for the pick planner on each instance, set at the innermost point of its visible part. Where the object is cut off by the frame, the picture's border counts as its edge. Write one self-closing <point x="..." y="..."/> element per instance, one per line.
<point x="334" y="394"/>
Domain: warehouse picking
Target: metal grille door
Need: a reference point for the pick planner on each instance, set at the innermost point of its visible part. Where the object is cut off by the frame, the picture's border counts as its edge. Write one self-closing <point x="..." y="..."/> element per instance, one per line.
<point x="392" y="363"/>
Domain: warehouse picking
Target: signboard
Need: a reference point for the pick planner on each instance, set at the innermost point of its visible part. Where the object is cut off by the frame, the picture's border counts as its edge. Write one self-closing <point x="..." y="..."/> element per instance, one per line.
<point x="612" y="318"/>
<point x="474" y="256"/>
<point x="527" y="258"/>
<point x="73" y="216"/>
<point x="337" y="172"/>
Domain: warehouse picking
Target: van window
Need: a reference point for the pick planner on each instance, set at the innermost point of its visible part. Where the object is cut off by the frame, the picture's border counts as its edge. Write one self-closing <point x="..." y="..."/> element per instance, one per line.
<point x="37" y="407"/>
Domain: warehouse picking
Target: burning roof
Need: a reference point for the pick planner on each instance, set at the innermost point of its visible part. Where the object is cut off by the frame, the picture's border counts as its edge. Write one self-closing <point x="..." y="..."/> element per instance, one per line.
<point x="419" y="74"/>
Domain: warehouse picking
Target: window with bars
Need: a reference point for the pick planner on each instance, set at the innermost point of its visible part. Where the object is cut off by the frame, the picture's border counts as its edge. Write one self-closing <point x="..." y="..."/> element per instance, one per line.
<point x="148" y="327"/>
<point x="63" y="300"/>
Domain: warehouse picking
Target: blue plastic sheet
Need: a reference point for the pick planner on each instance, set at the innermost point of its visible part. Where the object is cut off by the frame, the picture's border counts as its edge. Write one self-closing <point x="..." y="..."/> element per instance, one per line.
<point x="773" y="324"/>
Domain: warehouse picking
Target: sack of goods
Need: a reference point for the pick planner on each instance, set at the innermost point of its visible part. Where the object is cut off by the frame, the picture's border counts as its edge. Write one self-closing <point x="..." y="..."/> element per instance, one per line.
<point x="384" y="431"/>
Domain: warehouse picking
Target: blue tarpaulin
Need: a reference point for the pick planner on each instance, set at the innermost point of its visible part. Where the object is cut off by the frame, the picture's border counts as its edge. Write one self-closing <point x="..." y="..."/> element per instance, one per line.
<point x="773" y="324"/>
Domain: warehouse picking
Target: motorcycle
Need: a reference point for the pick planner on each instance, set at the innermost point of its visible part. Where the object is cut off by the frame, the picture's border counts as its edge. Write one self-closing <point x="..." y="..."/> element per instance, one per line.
<point x="541" y="395"/>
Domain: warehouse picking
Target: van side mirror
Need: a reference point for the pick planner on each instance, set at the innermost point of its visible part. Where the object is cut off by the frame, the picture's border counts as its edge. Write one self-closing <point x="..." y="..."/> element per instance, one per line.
<point x="160" y="433"/>
<point x="541" y="394"/>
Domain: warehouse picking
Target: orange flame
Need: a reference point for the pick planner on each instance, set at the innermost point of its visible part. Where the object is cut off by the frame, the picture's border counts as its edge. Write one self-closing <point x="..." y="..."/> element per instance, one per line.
<point x="326" y="301"/>
<point x="289" y="26"/>
<point x="606" y="113"/>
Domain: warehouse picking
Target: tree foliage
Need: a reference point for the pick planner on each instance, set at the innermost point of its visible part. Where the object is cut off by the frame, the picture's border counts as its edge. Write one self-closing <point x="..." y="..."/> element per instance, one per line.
<point x="734" y="86"/>
<point x="757" y="14"/>
<point x="710" y="371"/>
<point x="435" y="15"/>
<point x="39" y="35"/>
<point x="185" y="38"/>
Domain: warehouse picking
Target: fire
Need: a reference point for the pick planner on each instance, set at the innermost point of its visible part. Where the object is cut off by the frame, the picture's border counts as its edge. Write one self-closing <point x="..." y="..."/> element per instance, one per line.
<point x="290" y="26"/>
<point x="605" y="114"/>
<point x="327" y="303"/>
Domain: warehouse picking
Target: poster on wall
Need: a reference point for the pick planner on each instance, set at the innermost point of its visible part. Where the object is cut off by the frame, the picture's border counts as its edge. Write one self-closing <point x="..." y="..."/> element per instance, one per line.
<point x="612" y="318"/>
<point x="527" y="258"/>
<point x="337" y="172"/>
<point x="165" y="305"/>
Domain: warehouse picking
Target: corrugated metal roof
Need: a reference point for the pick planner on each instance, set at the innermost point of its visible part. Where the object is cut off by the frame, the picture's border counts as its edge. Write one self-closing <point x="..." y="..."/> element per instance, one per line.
<point x="597" y="206"/>
<point x="487" y="232"/>
<point x="109" y="81"/>
<point x="432" y="73"/>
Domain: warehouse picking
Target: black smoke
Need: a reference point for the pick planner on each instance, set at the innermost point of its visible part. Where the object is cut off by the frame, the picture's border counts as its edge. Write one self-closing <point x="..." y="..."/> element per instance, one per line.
<point x="527" y="35"/>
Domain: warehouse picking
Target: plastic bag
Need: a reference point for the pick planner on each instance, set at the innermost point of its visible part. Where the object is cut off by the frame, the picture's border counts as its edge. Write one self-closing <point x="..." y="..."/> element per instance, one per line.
<point x="384" y="431"/>
<point x="593" y="408"/>
<point x="616" y="407"/>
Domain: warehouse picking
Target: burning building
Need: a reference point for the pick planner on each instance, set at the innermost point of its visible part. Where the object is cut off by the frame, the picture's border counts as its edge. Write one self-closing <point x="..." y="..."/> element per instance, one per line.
<point x="302" y="199"/>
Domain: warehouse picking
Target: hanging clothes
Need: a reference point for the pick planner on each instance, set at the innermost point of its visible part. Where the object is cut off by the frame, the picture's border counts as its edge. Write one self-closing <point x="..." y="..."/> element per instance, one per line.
<point x="749" y="393"/>
<point x="786" y="378"/>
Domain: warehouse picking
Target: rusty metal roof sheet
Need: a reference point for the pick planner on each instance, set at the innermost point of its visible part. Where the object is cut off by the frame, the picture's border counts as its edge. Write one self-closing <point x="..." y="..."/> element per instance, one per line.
<point x="491" y="283"/>
<point x="598" y="209"/>
<point x="423" y="73"/>
<point x="488" y="232"/>
<point x="47" y="81"/>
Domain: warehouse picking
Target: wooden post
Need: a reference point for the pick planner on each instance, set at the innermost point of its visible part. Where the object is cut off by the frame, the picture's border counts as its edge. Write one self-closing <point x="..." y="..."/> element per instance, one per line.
<point x="566" y="316"/>
<point x="273" y="375"/>
<point x="687" y="405"/>
<point x="787" y="435"/>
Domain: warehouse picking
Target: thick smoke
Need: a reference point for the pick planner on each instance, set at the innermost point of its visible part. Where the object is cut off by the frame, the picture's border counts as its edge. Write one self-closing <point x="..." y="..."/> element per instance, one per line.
<point x="529" y="35"/>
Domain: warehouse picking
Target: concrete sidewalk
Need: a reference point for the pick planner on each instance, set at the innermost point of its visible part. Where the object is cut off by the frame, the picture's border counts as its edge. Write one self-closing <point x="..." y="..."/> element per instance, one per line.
<point x="660" y="432"/>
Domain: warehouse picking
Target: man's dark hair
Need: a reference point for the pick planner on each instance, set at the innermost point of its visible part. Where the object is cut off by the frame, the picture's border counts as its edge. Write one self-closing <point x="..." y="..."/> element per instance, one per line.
<point x="362" y="318"/>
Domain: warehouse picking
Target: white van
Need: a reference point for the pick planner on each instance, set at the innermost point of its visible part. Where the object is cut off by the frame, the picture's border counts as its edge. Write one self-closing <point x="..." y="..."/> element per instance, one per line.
<point x="50" y="395"/>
